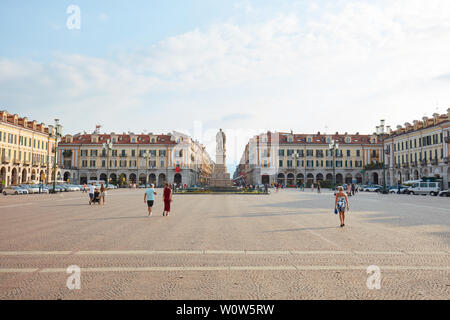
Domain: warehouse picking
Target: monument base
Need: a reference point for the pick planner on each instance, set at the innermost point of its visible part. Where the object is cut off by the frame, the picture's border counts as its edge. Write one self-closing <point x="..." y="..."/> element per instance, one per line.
<point x="220" y="178"/>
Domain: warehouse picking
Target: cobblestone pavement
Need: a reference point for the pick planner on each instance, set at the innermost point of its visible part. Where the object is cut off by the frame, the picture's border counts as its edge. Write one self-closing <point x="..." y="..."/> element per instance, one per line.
<point x="285" y="245"/>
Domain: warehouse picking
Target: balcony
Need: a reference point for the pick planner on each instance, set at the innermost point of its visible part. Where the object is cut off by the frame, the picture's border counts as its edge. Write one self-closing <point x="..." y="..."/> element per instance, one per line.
<point x="434" y="162"/>
<point x="6" y="159"/>
<point x="445" y="160"/>
<point x="123" y="155"/>
<point x="447" y="139"/>
<point x="16" y="161"/>
<point x="26" y="162"/>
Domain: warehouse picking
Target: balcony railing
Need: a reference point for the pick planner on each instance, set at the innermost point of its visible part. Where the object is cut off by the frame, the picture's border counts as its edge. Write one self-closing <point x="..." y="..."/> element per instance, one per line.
<point x="445" y="160"/>
<point x="6" y="159"/>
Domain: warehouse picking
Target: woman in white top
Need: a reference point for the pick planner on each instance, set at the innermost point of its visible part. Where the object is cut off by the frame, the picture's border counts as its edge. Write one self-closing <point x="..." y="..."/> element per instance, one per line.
<point x="340" y="204"/>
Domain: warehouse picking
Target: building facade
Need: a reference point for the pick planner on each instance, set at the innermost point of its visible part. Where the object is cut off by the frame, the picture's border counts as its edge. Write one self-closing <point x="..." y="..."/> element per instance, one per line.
<point x="293" y="159"/>
<point x="25" y="150"/>
<point x="134" y="158"/>
<point x="419" y="150"/>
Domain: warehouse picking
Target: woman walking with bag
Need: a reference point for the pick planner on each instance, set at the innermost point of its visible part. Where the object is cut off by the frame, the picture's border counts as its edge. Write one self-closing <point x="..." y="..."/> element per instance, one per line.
<point x="167" y="197"/>
<point x="340" y="204"/>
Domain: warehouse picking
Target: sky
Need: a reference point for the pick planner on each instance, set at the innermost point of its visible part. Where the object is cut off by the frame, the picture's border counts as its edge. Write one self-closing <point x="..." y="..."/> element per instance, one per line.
<point x="243" y="66"/>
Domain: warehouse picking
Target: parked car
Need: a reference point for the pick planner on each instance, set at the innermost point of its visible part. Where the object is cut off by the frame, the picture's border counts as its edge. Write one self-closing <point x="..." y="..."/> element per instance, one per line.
<point x="30" y="188"/>
<point x="394" y="189"/>
<point x="14" y="190"/>
<point x="444" y="193"/>
<point x="44" y="188"/>
<point x="431" y="188"/>
<point x="373" y="188"/>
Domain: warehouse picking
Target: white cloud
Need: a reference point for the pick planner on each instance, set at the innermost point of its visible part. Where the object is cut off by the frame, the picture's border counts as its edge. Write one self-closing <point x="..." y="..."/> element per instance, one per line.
<point x="344" y="67"/>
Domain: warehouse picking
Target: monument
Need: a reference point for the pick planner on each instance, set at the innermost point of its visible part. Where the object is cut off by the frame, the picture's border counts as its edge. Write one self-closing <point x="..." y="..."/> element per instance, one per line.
<point x="220" y="178"/>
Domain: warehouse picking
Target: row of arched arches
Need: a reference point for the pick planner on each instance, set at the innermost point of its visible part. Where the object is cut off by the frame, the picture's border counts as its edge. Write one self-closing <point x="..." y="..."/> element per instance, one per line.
<point x="157" y="180"/>
<point x="291" y="179"/>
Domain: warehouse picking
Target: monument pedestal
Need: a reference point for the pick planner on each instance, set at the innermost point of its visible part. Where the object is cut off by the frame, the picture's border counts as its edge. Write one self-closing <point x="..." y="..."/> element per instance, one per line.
<point x="220" y="178"/>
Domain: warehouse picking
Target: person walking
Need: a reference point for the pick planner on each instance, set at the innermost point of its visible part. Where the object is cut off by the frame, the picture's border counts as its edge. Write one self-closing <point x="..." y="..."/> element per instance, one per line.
<point x="91" y="192"/>
<point x="353" y="189"/>
<point x="167" y="198"/>
<point x="312" y="186"/>
<point x="149" y="198"/>
<point x="318" y="186"/>
<point x="84" y="188"/>
<point x="103" y="193"/>
<point x="341" y="204"/>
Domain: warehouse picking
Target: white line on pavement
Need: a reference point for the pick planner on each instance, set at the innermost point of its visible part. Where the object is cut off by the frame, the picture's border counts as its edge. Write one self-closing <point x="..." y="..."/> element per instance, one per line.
<point x="227" y="268"/>
<point x="220" y="252"/>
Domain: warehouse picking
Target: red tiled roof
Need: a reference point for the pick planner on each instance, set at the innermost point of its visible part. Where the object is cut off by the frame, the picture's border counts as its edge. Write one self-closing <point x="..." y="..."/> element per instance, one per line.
<point x="120" y="139"/>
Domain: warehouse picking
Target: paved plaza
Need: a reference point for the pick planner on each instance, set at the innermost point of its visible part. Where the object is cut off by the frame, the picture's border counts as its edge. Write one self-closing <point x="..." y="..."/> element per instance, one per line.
<point x="285" y="245"/>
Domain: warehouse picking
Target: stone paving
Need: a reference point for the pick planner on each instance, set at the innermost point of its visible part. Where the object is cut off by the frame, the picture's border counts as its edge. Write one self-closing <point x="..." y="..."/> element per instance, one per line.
<point x="285" y="245"/>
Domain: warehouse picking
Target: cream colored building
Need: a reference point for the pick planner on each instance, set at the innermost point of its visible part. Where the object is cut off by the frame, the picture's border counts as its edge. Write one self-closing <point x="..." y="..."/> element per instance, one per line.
<point x="137" y="158"/>
<point x="419" y="150"/>
<point x="293" y="159"/>
<point x="25" y="150"/>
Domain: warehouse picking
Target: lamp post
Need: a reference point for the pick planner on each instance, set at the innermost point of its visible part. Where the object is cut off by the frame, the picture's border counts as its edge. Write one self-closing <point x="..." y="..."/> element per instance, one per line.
<point x="147" y="156"/>
<point x="295" y="156"/>
<point x="58" y="129"/>
<point x="381" y="132"/>
<point x="107" y="146"/>
<point x="333" y="146"/>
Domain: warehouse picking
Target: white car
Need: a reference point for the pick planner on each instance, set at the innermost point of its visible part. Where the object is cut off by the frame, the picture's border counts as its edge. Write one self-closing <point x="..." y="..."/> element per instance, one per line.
<point x="431" y="188"/>
<point x="374" y="188"/>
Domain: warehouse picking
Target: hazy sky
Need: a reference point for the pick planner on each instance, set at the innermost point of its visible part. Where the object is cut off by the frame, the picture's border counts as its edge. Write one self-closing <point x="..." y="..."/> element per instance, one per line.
<point x="243" y="66"/>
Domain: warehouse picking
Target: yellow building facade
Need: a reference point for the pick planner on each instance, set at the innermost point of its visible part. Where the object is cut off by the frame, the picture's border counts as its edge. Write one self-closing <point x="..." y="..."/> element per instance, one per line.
<point x="25" y="150"/>
<point x="134" y="158"/>
<point x="294" y="159"/>
<point x="419" y="150"/>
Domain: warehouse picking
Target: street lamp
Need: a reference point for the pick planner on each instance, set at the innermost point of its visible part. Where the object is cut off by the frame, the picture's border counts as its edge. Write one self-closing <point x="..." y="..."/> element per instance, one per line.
<point x="381" y="132"/>
<point x="107" y="146"/>
<point x="333" y="146"/>
<point x="58" y="130"/>
<point x="147" y="156"/>
<point x="295" y="156"/>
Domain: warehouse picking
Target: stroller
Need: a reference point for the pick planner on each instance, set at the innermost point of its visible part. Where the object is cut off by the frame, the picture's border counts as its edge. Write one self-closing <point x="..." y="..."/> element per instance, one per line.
<point x="96" y="197"/>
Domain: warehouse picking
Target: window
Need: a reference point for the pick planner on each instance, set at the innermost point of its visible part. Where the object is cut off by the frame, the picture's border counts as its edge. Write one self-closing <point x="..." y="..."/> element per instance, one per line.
<point x="93" y="153"/>
<point x="358" y="152"/>
<point x="348" y="153"/>
<point x="281" y="153"/>
<point x="309" y="153"/>
<point x="280" y="163"/>
<point x="162" y="153"/>
<point x="133" y="153"/>
<point x="290" y="152"/>
<point x="310" y="163"/>
<point x="84" y="153"/>
<point x="289" y="163"/>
